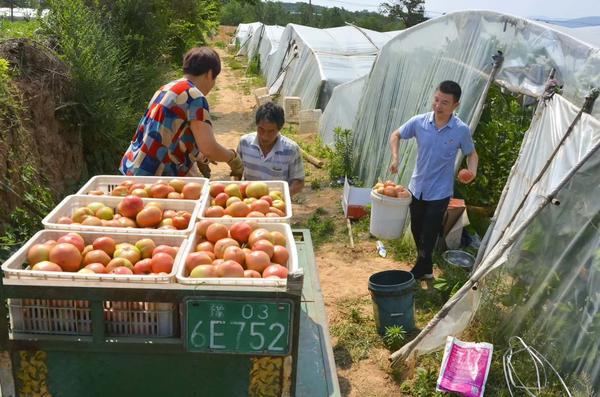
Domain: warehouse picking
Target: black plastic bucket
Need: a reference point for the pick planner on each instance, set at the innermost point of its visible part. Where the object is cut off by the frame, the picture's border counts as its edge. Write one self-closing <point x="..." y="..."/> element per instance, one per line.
<point x="393" y="296"/>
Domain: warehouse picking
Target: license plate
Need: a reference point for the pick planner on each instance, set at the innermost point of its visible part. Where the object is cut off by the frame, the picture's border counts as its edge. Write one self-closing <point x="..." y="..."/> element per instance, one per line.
<point x="259" y="327"/>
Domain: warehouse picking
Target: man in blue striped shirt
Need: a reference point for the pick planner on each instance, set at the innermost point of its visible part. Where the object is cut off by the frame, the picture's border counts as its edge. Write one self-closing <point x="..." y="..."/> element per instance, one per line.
<point x="267" y="155"/>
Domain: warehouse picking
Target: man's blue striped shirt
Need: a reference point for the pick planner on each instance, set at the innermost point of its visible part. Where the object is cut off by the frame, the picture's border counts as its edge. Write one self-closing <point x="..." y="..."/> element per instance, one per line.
<point x="283" y="162"/>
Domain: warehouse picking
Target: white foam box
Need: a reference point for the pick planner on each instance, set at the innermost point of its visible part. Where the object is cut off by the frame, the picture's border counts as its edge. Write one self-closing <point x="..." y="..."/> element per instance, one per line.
<point x="261" y="91"/>
<point x="292" y="263"/>
<point x="261" y="100"/>
<point x="355" y="201"/>
<point x="282" y="186"/>
<point x="71" y="203"/>
<point x="292" y="106"/>
<point x="106" y="183"/>
<point x="73" y="317"/>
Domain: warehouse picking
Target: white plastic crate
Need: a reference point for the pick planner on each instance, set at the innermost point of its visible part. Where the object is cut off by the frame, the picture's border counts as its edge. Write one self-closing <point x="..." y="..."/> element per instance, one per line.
<point x="71" y="203"/>
<point x="73" y="317"/>
<point x="140" y="319"/>
<point x="44" y="316"/>
<point x="279" y="185"/>
<point x="13" y="266"/>
<point x="107" y="183"/>
<point x="292" y="263"/>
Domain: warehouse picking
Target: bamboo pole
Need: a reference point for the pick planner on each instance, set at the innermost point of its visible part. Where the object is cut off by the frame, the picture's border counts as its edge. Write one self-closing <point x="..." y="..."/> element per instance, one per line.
<point x="586" y="108"/>
<point x="483" y="270"/>
<point x="550" y="84"/>
<point x="312" y="159"/>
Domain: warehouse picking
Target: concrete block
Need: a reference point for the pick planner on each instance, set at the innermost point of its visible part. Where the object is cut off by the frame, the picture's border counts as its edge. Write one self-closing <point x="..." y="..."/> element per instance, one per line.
<point x="261" y="100"/>
<point x="292" y="107"/>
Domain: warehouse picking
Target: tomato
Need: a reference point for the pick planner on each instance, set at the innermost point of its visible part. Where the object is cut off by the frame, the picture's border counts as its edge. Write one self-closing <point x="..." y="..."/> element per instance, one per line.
<point x="275" y="270"/>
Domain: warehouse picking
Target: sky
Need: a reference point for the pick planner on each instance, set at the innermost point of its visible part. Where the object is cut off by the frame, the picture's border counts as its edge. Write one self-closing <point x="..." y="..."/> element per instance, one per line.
<point x="558" y="9"/>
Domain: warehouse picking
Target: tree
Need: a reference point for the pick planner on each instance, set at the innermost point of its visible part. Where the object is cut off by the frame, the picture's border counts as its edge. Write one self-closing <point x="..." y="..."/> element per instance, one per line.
<point x="411" y="12"/>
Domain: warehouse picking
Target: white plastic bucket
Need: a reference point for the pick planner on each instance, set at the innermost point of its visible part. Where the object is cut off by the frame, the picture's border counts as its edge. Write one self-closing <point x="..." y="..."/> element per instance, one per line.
<point x="388" y="216"/>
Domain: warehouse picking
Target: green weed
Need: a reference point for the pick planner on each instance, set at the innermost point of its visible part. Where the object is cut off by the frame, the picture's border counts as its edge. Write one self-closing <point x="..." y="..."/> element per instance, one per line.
<point x="253" y="68"/>
<point x="394" y="337"/>
<point x="341" y="157"/>
<point x="423" y="384"/>
<point x="316" y="184"/>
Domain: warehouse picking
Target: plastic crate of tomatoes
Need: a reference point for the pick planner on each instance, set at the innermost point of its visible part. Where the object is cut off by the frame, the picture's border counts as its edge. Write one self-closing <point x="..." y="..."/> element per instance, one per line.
<point x="82" y="257"/>
<point x="239" y="252"/>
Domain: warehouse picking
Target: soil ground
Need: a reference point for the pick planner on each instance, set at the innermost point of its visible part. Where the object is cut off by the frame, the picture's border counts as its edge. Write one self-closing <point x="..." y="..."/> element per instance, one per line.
<point x="343" y="271"/>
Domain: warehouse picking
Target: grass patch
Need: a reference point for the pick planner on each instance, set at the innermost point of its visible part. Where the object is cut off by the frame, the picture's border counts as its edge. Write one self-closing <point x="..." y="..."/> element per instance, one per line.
<point x="321" y="225"/>
<point x="402" y="249"/>
<point x="234" y="63"/>
<point x="250" y="83"/>
<point x="213" y="97"/>
<point x="220" y="44"/>
<point x="19" y="29"/>
<point x="356" y="334"/>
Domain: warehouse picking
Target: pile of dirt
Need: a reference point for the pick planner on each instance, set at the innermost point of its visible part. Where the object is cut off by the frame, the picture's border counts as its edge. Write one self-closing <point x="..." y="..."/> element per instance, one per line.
<point x="37" y="133"/>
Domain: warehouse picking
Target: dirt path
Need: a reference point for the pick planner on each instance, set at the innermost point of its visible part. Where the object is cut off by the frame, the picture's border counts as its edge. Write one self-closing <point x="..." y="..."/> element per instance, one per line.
<point x="343" y="271"/>
<point x="232" y="114"/>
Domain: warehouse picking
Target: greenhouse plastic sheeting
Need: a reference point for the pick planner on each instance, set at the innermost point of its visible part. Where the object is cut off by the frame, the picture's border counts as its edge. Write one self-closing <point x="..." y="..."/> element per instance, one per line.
<point x="315" y="60"/>
<point x="264" y="42"/>
<point x="459" y="46"/>
<point x="587" y="34"/>
<point x="545" y="289"/>
<point x="21" y="13"/>
<point x="243" y="31"/>
<point x="246" y="42"/>
<point x="341" y="109"/>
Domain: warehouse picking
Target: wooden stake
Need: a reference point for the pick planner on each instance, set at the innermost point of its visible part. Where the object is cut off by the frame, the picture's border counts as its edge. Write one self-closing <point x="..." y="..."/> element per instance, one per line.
<point x="312" y="159"/>
<point x="349" y="224"/>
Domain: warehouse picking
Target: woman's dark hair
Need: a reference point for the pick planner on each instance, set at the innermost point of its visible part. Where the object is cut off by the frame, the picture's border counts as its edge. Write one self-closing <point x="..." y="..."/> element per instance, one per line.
<point x="272" y="113"/>
<point x="452" y="88"/>
<point x="200" y="60"/>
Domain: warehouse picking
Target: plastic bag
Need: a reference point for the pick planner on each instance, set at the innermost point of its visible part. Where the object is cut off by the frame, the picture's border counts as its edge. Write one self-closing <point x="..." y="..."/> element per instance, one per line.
<point x="465" y="367"/>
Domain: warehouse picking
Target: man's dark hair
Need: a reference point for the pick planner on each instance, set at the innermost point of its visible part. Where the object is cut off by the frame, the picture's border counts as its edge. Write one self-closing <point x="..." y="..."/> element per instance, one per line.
<point x="200" y="60"/>
<point x="452" y="88"/>
<point x="272" y="113"/>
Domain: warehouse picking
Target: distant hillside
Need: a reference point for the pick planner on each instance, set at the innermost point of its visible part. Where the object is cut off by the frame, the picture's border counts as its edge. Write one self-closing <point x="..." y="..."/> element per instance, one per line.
<point x="279" y="13"/>
<point x="572" y="23"/>
<point x="295" y="8"/>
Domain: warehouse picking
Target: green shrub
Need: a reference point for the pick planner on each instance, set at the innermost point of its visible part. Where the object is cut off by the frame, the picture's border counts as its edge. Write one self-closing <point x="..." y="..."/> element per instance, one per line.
<point x="25" y="220"/>
<point x="98" y="65"/>
<point x="341" y="158"/>
<point x="119" y="53"/>
<point x="497" y="139"/>
<point x="254" y="66"/>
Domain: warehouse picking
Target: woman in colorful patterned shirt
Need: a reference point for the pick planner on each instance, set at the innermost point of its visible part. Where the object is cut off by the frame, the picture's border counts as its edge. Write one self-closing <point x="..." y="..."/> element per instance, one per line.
<point x="176" y="130"/>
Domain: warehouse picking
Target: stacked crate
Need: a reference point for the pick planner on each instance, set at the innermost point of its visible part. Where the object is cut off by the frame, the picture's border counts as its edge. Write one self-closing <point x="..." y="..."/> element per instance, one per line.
<point x="122" y="318"/>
